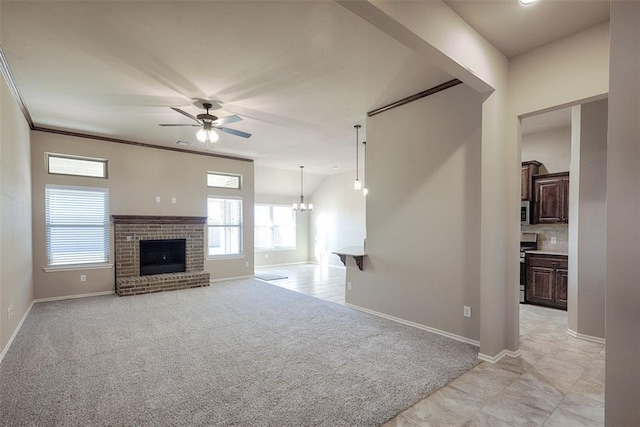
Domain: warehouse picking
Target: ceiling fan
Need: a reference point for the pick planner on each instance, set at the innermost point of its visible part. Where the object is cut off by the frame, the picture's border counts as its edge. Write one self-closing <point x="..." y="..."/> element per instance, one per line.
<point x="208" y="122"/>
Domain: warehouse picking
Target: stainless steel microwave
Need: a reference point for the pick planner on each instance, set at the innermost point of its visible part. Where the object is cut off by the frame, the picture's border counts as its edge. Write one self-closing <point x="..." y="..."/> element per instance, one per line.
<point x="525" y="213"/>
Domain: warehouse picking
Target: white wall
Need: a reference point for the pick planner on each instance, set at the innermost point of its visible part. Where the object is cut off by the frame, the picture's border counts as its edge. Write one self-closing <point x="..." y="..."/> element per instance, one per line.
<point x="16" y="278"/>
<point x="136" y="176"/>
<point x="337" y="220"/>
<point x="623" y="220"/>
<point x="301" y="252"/>
<point x="550" y="147"/>
<point x="423" y="228"/>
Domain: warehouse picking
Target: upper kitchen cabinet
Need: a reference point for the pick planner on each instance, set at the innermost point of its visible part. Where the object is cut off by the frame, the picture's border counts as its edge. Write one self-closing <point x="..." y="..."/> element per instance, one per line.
<point x="529" y="169"/>
<point x="551" y="198"/>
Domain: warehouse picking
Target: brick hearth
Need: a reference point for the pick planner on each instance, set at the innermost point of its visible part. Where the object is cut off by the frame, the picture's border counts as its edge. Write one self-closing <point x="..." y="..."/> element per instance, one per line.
<point x="131" y="229"/>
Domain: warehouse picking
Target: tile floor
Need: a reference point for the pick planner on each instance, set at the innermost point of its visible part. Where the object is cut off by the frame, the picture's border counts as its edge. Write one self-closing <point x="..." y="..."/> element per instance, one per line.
<point x="558" y="380"/>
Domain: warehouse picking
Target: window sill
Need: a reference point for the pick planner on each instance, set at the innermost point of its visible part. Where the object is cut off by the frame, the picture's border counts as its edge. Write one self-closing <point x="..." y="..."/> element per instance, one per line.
<point x="276" y="249"/>
<point x="76" y="267"/>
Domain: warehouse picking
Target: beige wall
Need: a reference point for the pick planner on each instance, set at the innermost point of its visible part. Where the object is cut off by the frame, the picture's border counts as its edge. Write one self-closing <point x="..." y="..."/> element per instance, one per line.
<point x="16" y="279"/>
<point x="136" y="176"/>
<point x="623" y="216"/>
<point x="337" y="220"/>
<point x="279" y="257"/>
<point x="550" y="147"/>
<point x="423" y="228"/>
<point x="587" y="219"/>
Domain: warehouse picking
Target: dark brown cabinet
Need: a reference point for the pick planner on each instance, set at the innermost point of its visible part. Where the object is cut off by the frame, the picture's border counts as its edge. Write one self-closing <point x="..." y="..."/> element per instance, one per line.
<point x="529" y="169"/>
<point x="546" y="280"/>
<point x="551" y="198"/>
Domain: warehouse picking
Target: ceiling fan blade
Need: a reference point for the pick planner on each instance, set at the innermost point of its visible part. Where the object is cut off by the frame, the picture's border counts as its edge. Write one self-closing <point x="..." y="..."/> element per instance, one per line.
<point x="234" y="132"/>
<point x="184" y="113"/>
<point x="178" y="124"/>
<point x="227" y="120"/>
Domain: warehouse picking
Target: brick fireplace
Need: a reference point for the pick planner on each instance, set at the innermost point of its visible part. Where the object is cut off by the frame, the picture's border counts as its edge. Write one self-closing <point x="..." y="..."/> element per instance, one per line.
<point x="131" y="229"/>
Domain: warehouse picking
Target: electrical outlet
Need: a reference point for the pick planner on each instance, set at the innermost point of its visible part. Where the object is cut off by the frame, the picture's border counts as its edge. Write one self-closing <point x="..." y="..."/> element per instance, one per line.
<point x="246" y="263"/>
<point x="173" y="200"/>
<point x="554" y="240"/>
<point x="349" y="286"/>
<point x="157" y="199"/>
<point x="128" y="238"/>
<point x="83" y="277"/>
<point x="467" y="311"/>
<point x="266" y="256"/>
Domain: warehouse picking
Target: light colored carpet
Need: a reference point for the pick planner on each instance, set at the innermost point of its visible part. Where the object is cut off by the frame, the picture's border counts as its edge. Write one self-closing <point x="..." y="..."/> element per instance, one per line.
<point x="240" y="353"/>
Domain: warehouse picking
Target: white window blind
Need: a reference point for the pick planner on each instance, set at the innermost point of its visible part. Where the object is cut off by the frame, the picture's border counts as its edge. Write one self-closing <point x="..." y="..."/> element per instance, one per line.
<point x="275" y="227"/>
<point x="77" y="225"/>
<point x="224" y="226"/>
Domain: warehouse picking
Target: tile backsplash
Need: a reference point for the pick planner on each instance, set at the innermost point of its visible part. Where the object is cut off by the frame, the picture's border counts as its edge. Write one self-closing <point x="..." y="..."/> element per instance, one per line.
<point x="546" y="232"/>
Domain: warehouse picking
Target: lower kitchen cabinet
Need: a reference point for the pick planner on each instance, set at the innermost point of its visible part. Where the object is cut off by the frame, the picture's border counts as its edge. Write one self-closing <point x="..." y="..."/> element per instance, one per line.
<point x="546" y="280"/>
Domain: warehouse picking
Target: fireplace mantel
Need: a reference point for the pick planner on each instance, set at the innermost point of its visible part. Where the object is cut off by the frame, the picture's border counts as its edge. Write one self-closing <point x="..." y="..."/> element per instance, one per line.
<point x="153" y="219"/>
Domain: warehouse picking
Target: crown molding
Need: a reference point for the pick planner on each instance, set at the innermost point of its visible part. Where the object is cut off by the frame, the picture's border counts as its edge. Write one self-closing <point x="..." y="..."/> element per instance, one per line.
<point x="8" y="77"/>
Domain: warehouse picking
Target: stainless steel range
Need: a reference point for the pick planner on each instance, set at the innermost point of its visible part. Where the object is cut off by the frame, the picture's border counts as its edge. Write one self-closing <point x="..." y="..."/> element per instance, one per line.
<point x="528" y="242"/>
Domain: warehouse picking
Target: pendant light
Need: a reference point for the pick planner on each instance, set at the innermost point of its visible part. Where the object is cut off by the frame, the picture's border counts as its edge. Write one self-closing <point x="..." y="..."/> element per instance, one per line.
<point x="302" y="206"/>
<point x="365" y="190"/>
<point x="357" y="184"/>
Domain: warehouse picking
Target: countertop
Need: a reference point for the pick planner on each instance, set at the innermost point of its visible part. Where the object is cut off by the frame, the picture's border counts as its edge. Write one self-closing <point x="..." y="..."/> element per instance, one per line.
<point x="548" y="253"/>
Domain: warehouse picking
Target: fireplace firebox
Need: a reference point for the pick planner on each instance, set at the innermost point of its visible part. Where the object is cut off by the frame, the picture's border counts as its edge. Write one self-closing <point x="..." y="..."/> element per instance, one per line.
<point x="162" y="256"/>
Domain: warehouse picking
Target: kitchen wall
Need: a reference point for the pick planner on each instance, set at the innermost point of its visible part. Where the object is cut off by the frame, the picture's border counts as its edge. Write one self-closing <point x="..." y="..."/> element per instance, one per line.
<point x="16" y="278"/>
<point x="551" y="147"/>
<point x="337" y="220"/>
<point x="546" y="232"/>
<point x="423" y="227"/>
<point x="298" y="255"/>
<point x="136" y="176"/>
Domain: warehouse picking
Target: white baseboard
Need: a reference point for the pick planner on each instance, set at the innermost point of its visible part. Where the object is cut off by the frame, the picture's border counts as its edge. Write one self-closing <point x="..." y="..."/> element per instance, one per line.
<point x="92" y="294"/>
<point x="6" y="347"/>
<point x="416" y="325"/>
<point x="224" y="279"/>
<point x="585" y="337"/>
<point x="497" y="357"/>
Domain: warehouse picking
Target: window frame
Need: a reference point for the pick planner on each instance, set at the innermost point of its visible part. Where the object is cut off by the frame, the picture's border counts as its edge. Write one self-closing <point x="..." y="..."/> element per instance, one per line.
<point x="273" y="228"/>
<point x="239" y="226"/>
<point x="106" y="227"/>
<point x="224" y="174"/>
<point x="104" y="162"/>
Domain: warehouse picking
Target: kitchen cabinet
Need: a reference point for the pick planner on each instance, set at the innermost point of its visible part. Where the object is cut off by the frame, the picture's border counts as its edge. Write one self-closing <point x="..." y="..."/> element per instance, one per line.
<point x="546" y="280"/>
<point x="551" y="198"/>
<point x="529" y="169"/>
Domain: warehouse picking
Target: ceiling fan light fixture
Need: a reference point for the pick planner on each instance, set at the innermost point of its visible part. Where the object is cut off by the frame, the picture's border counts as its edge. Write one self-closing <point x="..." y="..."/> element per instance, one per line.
<point x="207" y="136"/>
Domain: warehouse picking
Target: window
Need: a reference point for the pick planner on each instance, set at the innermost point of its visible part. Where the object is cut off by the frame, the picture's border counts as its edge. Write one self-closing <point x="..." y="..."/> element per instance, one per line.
<point x="79" y="166"/>
<point x="77" y="225"/>
<point x="224" y="226"/>
<point x="223" y="180"/>
<point x="275" y="227"/>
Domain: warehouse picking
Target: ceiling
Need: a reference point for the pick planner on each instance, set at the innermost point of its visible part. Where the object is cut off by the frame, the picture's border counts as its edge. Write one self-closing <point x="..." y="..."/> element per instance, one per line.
<point x="515" y="29"/>
<point x="300" y="74"/>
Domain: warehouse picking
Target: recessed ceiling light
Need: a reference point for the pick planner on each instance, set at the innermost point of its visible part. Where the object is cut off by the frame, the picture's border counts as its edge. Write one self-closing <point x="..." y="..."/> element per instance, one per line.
<point x="527" y="2"/>
<point x="336" y="167"/>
